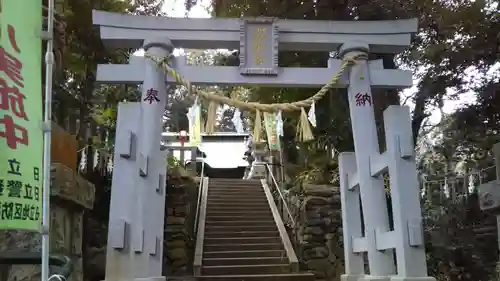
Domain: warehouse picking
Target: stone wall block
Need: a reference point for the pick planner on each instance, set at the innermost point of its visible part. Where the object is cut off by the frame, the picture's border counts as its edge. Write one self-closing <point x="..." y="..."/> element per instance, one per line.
<point x="24" y="273"/>
<point x="318" y="229"/>
<point x="77" y="238"/>
<point x="77" y="270"/>
<point x="60" y="235"/>
<point x="70" y="186"/>
<point x="179" y="239"/>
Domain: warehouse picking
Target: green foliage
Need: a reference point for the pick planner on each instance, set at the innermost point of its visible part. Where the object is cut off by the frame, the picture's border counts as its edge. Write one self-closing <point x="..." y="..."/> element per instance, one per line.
<point x="173" y="162"/>
<point x="456" y="249"/>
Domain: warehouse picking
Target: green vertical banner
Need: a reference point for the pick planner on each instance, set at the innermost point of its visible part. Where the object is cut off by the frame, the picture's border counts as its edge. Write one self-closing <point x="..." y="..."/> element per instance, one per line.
<point x="21" y="137"/>
<point x="272" y="136"/>
<point x="195" y="128"/>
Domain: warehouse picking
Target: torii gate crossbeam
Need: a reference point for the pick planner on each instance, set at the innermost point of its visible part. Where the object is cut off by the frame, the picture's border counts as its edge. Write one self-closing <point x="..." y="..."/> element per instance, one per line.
<point x="294" y="35"/>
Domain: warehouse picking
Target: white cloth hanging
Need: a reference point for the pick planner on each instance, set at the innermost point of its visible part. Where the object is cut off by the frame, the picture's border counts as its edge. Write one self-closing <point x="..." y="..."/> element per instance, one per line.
<point x="311" y="115"/>
<point x="83" y="160"/>
<point x="237" y="122"/>
<point x="279" y="123"/>
<point x="191" y="114"/>
<point x="446" y="188"/>
<point x="96" y="159"/>
<point x="110" y="164"/>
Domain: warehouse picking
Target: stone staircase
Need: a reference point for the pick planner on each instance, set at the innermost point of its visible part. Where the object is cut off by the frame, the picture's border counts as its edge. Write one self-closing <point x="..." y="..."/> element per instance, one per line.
<point x="241" y="235"/>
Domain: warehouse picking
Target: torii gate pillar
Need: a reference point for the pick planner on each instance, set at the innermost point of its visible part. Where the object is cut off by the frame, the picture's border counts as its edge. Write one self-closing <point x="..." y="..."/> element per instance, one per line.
<point x="150" y="183"/>
<point x="137" y="208"/>
<point x="361" y="176"/>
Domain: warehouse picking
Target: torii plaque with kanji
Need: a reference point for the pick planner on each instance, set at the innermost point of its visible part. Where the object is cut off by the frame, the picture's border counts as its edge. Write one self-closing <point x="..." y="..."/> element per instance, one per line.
<point x="259" y="47"/>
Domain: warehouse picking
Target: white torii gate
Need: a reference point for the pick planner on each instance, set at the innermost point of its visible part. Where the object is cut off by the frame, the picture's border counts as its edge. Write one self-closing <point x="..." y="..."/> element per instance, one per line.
<point x="135" y="238"/>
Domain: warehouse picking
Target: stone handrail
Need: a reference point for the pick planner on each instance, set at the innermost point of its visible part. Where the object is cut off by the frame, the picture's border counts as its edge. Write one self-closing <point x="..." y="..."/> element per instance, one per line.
<point x="198" y="200"/>
<point x="292" y="257"/>
<point x="283" y="200"/>
<point x="198" y="252"/>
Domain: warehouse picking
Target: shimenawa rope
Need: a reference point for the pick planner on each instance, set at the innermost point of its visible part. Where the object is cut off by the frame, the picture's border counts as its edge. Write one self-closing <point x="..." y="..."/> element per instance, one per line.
<point x="304" y="130"/>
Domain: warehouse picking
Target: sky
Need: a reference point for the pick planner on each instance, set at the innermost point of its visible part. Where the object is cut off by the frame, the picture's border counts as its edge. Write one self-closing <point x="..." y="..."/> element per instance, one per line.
<point x="175" y="8"/>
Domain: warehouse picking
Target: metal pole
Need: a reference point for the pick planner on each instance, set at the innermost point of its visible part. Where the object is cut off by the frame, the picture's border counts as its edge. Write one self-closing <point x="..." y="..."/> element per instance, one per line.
<point x="496" y="155"/>
<point x="49" y="62"/>
<point x="282" y="165"/>
<point x="194" y="159"/>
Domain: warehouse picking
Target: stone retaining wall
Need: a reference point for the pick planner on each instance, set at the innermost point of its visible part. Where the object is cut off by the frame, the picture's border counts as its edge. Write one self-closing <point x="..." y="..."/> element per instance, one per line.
<point x="70" y="195"/>
<point x="179" y="240"/>
<point x="180" y="215"/>
<point x="317" y="234"/>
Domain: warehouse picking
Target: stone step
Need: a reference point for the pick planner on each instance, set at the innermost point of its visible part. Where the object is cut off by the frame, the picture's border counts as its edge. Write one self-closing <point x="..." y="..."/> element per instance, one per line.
<point x="226" y="234"/>
<point x="269" y="222"/>
<point x="238" y="198"/>
<point x="242" y="247"/>
<point x="245" y="269"/>
<point x="239" y="228"/>
<point x="231" y="187"/>
<point x="240" y="217"/>
<point x="242" y="240"/>
<point x="237" y="208"/>
<point x="249" y="201"/>
<point x="225" y="211"/>
<point x="237" y="204"/>
<point x="244" y="261"/>
<point x="219" y="188"/>
<point x="238" y="184"/>
<point x="235" y="182"/>
<point x="238" y="212"/>
<point x="237" y="194"/>
<point x="229" y="203"/>
<point x="235" y="185"/>
<point x="235" y="191"/>
<point x="245" y="254"/>
<point x="260" y="277"/>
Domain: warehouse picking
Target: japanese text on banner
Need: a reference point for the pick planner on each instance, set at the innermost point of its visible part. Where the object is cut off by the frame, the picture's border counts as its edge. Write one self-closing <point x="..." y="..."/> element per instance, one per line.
<point x="272" y="134"/>
<point x="21" y="138"/>
<point x="195" y="127"/>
